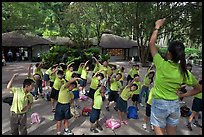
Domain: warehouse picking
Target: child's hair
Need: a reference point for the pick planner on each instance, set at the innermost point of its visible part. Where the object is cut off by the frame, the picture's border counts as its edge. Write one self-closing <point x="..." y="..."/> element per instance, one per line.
<point x="37" y="64"/>
<point x="136" y="75"/>
<point x="100" y="74"/>
<point x="189" y="65"/>
<point x="122" y="69"/>
<point x="59" y="72"/>
<point x="54" y="66"/>
<point x="177" y="50"/>
<point x="135" y="85"/>
<point x="27" y="82"/>
<point x="151" y="79"/>
<point x="136" y="65"/>
<point x="200" y="82"/>
<point x="73" y="83"/>
<point x="63" y="66"/>
<point x="74" y="75"/>
<point x="119" y="74"/>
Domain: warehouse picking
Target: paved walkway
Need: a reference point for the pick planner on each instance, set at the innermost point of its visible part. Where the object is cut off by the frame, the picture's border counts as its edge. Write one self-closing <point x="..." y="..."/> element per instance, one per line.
<point x="80" y="126"/>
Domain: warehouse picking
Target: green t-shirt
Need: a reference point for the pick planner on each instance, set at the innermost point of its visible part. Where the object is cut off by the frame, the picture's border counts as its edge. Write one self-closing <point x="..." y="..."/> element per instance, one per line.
<point x="58" y="83"/>
<point x="123" y="74"/>
<point x="115" y="85"/>
<point x="68" y="75"/>
<point x="52" y="77"/>
<point x="150" y="97"/>
<point x="147" y="80"/>
<point x="126" y="93"/>
<point x="79" y="70"/>
<point x="49" y="71"/>
<point x="65" y="96"/>
<point x="38" y="71"/>
<point x="132" y="72"/>
<point x="139" y="87"/>
<point x="199" y="95"/>
<point x="94" y="83"/>
<point x="105" y="70"/>
<point x="168" y="79"/>
<point x="84" y="73"/>
<point x="96" y="68"/>
<point x="97" y="100"/>
<point x="20" y="100"/>
<point x="76" y="88"/>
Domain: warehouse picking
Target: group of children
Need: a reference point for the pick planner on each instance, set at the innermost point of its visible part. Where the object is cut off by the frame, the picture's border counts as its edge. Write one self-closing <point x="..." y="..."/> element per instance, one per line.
<point x="66" y="86"/>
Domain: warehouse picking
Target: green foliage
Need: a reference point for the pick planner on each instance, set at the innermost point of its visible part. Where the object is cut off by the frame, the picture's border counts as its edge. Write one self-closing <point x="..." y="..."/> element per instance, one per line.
<point x="188" y="51"/>
<point x="105" y="57"/>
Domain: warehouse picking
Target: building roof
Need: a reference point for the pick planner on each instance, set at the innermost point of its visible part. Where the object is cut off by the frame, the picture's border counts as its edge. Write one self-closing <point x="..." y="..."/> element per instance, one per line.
<point x="16" y="39"/>
<point x="66" y="41"/>
<point x="116" y="42"/>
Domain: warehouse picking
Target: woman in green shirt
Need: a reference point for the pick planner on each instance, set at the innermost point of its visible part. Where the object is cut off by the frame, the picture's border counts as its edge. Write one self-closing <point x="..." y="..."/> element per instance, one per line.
<point x="170" y="74"/>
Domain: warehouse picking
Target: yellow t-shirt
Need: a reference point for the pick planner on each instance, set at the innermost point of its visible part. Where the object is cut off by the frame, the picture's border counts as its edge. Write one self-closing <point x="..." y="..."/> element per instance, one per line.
<point x="139" y="87"/>
<point x="132" y="72"/>
<point x="20" y="100"/>
<point x="115" y="85"/>
<point x="58" y="83"/>
<point x="65" y="96"/>
<point x="97" y="100"/>
<point x="94" y="83"/>
<point x="39" y="71"/>
<point x="79" y="70"/>
<point x="84" y="73"/>
<point x="169" y="79"/>
<point x="126" y="93"/>
<point x="199" y="95"/>
<point x="150" y="97"/>
<point x="68" y="75"/>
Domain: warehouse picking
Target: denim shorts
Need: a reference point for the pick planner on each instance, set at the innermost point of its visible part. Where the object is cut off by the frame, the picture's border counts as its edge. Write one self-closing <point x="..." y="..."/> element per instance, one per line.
<point x="62" y="111"/>
<point x="95" y="115"/>
<point x="165" y="112"/>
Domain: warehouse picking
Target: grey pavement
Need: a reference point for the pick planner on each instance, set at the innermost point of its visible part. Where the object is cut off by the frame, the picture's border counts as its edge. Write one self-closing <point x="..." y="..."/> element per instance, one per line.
<point x="80" y="126"/>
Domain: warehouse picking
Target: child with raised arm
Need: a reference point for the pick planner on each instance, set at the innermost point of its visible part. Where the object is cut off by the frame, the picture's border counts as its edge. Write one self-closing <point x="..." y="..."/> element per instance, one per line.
<point x="115" y="86"/>
<point x="64" y="100"/>
<point x="96" y="109"/>
<point x="134" y="70"/>
<point x="122" y="100"/>
<point x="84" y="75"/>
<point x="59" y="81"/>
<point x="69" y="72"/>
<point x="22" y="101"/>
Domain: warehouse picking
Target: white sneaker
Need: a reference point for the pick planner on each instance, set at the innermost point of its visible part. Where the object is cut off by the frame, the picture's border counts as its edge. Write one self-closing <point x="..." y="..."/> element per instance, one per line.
<point x="152" y="127"/>
<point x="68" y="132"/>
<point x="144" y="126"/>
<point x="141" y="105"/>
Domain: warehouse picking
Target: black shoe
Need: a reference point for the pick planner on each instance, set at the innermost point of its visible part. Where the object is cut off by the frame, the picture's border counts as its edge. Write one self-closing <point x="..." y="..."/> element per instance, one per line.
<point x="99" y="127"/>
<point x="107" y="108"/>
<point x="197" y="124"/>
<point x="189" y="126"/>
<point x="116" y="109"/>
<point x="36" y="97"/>
<point x="94" y="130"/>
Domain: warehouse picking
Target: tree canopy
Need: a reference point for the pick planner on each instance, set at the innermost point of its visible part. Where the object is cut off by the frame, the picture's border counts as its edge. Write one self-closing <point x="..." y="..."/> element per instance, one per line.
<point x="83" y="20"/>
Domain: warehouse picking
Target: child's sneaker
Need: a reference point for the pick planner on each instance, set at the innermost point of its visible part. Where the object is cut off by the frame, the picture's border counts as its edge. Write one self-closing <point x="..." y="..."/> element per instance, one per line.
<point x="94" y="130"/>
<point x="189" y="126"/>
<point x="116" y="109"/>
<point x="144" y="126"/>
<point x="69" y="132"/>
<point x="107" y="108"/>
<point x="141" y="105"/>
<point x="125" y="122"/>
<point x="152" y="127"/>
<point x="99" y="127"/>
<point x="197" y="124"/>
